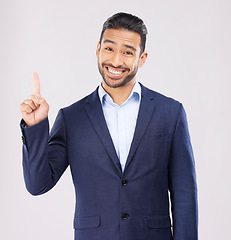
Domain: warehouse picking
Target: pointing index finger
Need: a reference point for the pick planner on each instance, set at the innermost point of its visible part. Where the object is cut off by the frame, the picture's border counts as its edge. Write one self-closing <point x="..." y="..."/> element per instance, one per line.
<point x="36" y="84"/>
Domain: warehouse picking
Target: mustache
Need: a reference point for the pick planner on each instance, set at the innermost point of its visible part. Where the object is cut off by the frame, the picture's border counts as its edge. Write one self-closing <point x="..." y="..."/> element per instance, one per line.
<point x="120" y="66"/>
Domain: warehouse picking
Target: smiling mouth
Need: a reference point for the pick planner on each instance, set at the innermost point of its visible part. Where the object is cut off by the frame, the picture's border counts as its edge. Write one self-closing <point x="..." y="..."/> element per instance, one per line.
<point x="112" y="73"/>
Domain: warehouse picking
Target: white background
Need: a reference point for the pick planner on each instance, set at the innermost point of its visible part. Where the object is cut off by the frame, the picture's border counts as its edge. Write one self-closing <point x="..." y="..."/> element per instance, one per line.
<point x="189" y="45"/>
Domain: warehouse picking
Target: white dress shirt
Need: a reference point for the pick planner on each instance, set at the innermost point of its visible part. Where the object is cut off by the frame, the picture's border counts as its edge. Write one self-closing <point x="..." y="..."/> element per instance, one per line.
<point x="121" y="120"/>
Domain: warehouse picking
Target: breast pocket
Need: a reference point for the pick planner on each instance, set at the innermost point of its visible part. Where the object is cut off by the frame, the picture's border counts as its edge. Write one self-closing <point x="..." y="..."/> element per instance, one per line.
<point x="87" y="222"/>
<point x="157" y="146"/>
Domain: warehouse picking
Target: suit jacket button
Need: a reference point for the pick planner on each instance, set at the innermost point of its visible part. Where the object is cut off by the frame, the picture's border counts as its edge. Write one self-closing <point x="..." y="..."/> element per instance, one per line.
<point x="124" y="182"/>
<point x="124" y="216"/>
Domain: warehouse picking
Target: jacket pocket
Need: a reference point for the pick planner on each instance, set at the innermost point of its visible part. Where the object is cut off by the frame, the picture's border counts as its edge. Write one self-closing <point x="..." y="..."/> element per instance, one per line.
<point x="157" y="222"/>
<point x="86" y="222"/>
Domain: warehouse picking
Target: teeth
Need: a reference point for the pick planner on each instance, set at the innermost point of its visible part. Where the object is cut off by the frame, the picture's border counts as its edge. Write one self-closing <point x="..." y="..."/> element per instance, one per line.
<point x="114" y="72"/>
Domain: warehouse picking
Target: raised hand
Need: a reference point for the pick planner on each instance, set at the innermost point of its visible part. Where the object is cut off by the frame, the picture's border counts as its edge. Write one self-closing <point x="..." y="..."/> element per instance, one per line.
<point x="35" y="108"/>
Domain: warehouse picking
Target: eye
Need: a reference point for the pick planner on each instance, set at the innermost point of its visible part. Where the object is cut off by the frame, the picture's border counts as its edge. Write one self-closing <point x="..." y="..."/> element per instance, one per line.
<point x="128" y="53"/>
<point x="108" y="49"/>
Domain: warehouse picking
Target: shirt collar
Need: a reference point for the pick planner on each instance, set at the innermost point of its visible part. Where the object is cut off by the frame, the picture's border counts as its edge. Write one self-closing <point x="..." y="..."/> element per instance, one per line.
<point x="103" y="94"/>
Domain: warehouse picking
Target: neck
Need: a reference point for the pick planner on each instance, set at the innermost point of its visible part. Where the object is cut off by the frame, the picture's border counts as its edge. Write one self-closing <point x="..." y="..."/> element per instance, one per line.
<point x="119" y="95"/>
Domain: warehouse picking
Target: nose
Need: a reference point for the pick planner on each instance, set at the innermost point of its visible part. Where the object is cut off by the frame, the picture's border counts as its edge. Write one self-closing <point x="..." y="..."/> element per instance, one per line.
<point x="116" y="59"/>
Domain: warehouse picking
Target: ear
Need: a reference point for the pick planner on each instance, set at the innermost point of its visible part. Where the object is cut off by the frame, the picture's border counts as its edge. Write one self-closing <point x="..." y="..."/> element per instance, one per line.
<point x="143" y="59"/>
<point x="98" y="49"/>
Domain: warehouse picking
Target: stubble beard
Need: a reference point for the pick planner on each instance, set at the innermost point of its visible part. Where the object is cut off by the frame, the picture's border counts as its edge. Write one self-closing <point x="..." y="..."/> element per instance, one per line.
<point x="119" y="84"/>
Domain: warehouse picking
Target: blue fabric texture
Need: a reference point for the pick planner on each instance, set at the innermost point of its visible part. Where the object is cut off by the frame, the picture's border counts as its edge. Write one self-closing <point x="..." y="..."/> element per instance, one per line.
<point x="132" y="204"/>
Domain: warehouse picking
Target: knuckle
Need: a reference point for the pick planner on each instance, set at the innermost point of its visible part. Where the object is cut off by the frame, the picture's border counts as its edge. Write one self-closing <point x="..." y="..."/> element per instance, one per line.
<point x="30" y="102"/>
<point x="23" y="105"/>
<point x="28" y="109"/>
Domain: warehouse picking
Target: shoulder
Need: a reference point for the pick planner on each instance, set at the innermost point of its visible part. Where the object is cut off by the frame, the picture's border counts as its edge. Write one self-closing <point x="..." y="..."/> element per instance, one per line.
<point x="159" y="98"/>
<point x="166" y="108"/>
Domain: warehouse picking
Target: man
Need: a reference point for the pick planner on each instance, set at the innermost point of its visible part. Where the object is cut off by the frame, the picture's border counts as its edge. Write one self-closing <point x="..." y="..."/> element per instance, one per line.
<point x="127" y="147"/>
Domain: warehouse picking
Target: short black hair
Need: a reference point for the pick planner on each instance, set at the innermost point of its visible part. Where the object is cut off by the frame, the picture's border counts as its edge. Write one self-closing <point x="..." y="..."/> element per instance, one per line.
<point x="129" y="22"/>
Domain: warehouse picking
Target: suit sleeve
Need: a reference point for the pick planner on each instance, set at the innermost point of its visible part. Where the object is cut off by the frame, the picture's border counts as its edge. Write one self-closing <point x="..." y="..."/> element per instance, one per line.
<point x="182" y="183"/>
<point x="44" y="156"/>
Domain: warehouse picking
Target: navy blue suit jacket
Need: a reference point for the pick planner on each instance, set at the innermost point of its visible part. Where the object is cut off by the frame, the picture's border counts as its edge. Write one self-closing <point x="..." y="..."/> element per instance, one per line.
<point x="111" y="204"/>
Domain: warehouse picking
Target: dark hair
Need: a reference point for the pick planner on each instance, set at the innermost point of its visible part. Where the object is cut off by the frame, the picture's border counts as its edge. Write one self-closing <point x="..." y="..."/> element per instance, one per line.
<point x="128" y="22"/>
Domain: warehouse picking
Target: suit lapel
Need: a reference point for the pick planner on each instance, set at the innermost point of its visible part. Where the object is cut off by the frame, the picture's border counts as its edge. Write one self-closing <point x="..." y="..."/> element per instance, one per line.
<point x="145" y="113"/>
<point x="95" y="113"/>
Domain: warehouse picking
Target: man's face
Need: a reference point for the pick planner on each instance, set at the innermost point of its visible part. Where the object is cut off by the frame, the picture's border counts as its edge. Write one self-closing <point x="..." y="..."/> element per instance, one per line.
<point x="119" y="57"/>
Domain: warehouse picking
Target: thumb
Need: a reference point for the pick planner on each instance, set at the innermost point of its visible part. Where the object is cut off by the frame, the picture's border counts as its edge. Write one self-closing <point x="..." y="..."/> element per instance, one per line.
<point x="42" y="103"/>
<point x="37" y="101"/>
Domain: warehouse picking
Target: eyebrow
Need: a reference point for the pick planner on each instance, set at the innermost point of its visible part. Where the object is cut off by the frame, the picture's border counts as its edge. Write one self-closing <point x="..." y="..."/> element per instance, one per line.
<point x="125" y="45"/>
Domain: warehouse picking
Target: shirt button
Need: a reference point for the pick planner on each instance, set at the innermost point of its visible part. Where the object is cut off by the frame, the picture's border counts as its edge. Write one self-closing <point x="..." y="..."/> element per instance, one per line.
<point x="122" y="150"/>
<point x="124" y="216"/>
<point x="124" y="182"/>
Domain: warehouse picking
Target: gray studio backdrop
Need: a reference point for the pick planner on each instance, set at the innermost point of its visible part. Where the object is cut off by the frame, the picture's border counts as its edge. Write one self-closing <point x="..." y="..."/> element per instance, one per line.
<point x="189" y="60"/>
